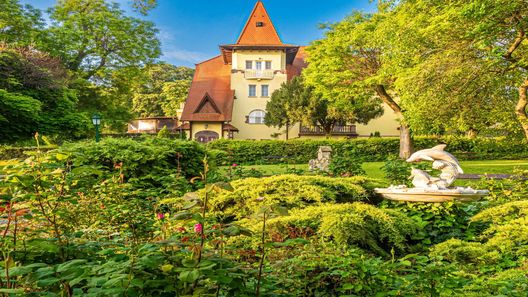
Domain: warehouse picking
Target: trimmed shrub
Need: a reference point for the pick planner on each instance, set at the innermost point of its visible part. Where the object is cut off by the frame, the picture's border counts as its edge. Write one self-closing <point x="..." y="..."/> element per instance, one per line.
<point x="508" y="227"/>
<point x="377" y="230"/>
<point x="290" y="191"/>
<point x="366" y="149"/>
<point x="142" y="157"/>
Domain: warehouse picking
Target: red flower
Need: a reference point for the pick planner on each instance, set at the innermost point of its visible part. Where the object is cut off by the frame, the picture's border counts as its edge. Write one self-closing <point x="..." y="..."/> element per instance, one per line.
<point x="161" y="216"/>
<point x="198" y="228"/>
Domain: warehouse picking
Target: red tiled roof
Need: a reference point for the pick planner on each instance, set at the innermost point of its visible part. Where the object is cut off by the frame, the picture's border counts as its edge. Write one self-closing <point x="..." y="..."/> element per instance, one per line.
<point x="229" y="127"/>
<point x="259" y="35"/>
<point x="298" y="64"/>
<point x="212" y="81"/>
<point x="185" y="126"/>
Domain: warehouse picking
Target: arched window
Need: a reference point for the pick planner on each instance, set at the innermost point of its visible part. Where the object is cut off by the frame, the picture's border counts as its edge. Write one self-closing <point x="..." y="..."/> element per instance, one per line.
<point x="256" y="117"/>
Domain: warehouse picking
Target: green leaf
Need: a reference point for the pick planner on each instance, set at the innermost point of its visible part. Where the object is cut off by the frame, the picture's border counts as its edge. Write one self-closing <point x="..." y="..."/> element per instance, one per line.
<point x="47" y="282"/>
<point x="223" y="186"/>
<point x="12" y="291"/>
<point x="189" y="276"/>
<point x="71" y="264"/>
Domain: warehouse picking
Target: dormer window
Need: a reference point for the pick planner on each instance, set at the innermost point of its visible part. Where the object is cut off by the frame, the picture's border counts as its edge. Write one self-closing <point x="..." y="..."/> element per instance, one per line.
<point x="260" y="24"/>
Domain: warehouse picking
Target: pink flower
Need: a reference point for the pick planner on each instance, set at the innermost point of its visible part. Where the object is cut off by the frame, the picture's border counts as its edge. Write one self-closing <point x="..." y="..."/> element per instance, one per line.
<point x="234" y="165"/>
<point x="161" y="216"/>
<point x="198" y="228"/>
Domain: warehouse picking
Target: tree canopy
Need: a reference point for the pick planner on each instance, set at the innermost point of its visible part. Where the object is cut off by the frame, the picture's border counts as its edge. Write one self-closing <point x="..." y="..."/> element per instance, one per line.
<point x="295" y="102"/>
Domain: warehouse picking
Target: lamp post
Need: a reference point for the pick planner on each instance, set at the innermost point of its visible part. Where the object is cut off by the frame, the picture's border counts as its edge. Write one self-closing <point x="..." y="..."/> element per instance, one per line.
<point x="96" y="120"/>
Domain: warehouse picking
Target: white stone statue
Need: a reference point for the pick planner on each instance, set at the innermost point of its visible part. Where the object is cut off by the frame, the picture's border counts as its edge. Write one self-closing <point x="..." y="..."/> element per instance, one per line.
<point x="323" y="159"/>
<point x="429" y="188"/>
<point x="443" y="161"/>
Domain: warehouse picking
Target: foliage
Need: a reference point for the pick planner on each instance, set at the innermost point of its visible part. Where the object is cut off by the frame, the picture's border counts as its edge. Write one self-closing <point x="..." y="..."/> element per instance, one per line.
<point x="468" y="55"/>
<point x="438" y="221"/>
<point x="345" y="164"/>
<point x="397" y="171"/>
<point x="160" y="90"/>
<point x="148" y="163"/>
<point x="295" y="102"/>
<point x="34" y="96"/>
<point x="239" y="172"/>
<point x="84" y="29"/>
<point x="378" y="231"/>
<point x="22" y="25"/>
<point x="247" y="152"/>
<point x="348" y="66"/>
<point x="289" y="191"/>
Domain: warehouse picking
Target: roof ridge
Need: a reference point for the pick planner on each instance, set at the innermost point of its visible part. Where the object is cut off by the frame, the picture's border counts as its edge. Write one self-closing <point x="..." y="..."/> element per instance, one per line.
<point x="208" y="60"/>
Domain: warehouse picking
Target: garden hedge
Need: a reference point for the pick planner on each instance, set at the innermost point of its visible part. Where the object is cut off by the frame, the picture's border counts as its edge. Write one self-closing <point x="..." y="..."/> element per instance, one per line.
<point x="249" y="152"/>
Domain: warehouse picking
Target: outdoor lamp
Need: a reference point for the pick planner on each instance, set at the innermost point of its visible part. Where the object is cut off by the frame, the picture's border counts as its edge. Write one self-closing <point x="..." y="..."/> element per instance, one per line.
<point x="96" y="120"/>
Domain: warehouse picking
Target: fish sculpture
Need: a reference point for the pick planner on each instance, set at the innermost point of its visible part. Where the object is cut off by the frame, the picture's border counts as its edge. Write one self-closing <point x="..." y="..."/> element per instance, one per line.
<point x="434" y="154"/>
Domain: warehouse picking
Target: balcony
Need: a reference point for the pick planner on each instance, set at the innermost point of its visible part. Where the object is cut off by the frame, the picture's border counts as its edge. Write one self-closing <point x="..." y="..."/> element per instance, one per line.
<point x="259" y="74"/>
<point x="344" y="130"/>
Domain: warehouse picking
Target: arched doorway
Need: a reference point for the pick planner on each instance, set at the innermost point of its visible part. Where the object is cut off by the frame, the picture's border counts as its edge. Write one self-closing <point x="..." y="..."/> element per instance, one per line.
<point x="206" y="136"/>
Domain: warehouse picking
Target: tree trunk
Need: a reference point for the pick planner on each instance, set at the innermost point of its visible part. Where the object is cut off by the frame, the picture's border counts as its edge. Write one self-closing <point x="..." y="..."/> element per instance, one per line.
<point x="406" y="141"/>
<point x="287" y="131"/>
<point x="520" y="109"/>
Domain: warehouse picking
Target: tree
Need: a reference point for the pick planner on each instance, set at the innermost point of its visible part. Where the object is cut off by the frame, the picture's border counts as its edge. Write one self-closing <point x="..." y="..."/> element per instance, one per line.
<point x="144" y="6"/>
<point x="468" y="58"/>
<point x="347" y="64"/>
<point x="296" y="102"/>
<point x="161" y="89"/>
<point x="21" y="25"/>
<point x="94" y="38"/>
<point x="35" y="96"/>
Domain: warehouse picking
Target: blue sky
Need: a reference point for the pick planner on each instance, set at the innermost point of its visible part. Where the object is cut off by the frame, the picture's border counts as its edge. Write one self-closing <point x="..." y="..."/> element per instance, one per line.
<point x="191" y="30"/>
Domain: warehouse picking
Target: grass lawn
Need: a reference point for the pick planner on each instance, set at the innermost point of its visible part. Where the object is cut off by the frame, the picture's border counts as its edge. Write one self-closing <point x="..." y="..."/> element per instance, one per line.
<point x="373" y="169"/>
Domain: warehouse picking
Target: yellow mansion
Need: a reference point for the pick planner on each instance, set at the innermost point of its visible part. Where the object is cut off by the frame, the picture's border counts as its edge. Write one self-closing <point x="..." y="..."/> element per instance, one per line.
<point x="229" y="92"/>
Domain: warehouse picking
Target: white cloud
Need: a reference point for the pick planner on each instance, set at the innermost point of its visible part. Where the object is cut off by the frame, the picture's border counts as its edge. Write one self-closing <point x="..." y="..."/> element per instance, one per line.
<point x="189" y="57"/>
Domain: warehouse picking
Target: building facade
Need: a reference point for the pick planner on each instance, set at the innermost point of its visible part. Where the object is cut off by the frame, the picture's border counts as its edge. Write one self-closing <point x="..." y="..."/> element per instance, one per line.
<point x="229" y="92"/>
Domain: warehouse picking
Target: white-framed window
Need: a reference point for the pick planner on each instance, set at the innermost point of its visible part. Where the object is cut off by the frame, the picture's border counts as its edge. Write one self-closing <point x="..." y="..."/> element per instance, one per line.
<point x="264" y="91"/>
<point x="268" y="65"/>
<point x="252" y="90"/>
<point x="249" y="64"/>
<point x="256" y="117"/>
<point x="258" y="65"/>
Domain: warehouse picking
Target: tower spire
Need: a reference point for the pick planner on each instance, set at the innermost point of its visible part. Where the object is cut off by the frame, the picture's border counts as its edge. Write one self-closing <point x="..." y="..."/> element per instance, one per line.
<point x="259" y="29"/>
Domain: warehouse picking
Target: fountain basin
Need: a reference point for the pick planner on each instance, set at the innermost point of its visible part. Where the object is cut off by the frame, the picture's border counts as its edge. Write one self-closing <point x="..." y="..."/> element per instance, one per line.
<point x="402" y="193"/>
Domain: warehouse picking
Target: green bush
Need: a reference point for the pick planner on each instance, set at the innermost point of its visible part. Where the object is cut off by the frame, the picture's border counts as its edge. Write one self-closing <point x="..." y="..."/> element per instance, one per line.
<point x="142" y="157"/>
<point x="438" y="221"/>
<point x="345" y="164"/>
<point x="366" y="149"/>
<point x="376" y="230"/>
<point x="290" y="191"/>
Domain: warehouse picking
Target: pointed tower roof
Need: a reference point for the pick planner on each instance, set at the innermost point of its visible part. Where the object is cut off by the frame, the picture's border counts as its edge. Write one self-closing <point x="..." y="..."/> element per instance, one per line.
<point x="259" y="29"/>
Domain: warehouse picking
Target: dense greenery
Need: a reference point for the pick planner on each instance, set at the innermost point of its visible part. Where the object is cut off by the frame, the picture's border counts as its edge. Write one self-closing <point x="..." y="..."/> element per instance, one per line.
<point x="113" y="218"/>
<point x="78" y="58"/>
<point x="372" y="149"/>
<point x="34" y="96"/>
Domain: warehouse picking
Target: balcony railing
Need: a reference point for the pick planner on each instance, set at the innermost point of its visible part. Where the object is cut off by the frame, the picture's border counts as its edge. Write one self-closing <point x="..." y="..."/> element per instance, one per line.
<point x="258" y="74"/>
<point x="345" y="130"/>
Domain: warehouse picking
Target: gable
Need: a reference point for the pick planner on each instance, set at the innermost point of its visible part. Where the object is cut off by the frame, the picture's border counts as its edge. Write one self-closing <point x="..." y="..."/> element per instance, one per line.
<point x="207" y="105"/>
<point x="259" y="28"/>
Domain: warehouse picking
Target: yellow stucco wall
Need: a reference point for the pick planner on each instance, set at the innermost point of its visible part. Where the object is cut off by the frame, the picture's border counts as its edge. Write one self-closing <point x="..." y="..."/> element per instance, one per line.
<point x="244" y="104"/>
<point x="387" y="124"/>
<point x="206" y="126"/>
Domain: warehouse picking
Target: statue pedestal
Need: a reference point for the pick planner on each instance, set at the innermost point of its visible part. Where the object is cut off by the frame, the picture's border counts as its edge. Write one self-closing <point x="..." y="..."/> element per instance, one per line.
<point x="402" y="193"/>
